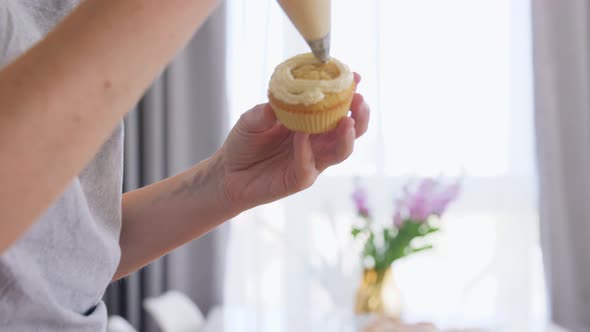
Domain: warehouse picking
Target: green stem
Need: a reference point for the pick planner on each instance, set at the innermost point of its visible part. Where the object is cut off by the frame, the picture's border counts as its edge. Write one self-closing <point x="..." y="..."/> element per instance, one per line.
<point x="428" y="247"/>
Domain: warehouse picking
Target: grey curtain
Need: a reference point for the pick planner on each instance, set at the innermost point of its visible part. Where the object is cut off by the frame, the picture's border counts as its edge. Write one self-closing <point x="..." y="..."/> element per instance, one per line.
<point x="181" y="120"/>
<point x="561" y="32"/>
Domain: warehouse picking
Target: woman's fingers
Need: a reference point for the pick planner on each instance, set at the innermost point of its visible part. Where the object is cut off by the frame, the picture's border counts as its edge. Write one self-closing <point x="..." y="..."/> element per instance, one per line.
<point x="335" y="146"/>
<point x="347" y="135"/>
<point x="361" y="114"/>
<point x="304" y="162"/>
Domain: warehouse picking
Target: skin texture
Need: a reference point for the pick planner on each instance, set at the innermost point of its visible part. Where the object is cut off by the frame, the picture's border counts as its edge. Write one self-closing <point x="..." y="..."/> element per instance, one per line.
<point x="51" y="128"/>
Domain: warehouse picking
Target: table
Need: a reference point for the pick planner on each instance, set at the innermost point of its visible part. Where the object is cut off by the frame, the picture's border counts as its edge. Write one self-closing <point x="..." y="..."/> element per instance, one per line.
<point x="242" y="319"/>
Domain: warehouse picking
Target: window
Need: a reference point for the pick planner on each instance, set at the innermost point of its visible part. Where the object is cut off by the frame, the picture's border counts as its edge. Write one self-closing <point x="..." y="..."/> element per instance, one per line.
<point x="449" y="83"/>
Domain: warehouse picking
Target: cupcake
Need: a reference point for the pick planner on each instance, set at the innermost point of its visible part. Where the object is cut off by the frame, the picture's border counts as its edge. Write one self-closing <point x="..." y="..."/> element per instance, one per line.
<point x="310" y="96"/>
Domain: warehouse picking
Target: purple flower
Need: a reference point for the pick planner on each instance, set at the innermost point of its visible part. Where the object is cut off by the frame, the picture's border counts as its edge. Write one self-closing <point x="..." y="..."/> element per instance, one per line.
<point x="360" y="198"/>
<point x="444" y="198"/>
<point x="398" y="221"/>
<point x="429" y="198"/>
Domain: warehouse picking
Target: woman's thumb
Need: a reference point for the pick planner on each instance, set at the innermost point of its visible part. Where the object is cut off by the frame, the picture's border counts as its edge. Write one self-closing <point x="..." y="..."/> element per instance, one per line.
<point x="258" y="119"/>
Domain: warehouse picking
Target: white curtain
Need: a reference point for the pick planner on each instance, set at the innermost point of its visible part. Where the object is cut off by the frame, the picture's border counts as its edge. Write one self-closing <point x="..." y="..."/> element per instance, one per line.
<point x="449" y="83"/>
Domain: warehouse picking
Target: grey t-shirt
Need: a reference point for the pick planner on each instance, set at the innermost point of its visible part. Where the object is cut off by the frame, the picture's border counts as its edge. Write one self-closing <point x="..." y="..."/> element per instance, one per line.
<point x="53" y="277"/>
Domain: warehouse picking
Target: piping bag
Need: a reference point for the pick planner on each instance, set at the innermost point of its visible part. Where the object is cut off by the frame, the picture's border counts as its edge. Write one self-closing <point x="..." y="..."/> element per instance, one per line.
<point x="312" y="18"/>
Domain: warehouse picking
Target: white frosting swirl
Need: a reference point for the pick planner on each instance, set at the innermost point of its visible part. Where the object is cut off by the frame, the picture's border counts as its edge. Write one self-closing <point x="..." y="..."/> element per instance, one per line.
<point x="284" y="86"/>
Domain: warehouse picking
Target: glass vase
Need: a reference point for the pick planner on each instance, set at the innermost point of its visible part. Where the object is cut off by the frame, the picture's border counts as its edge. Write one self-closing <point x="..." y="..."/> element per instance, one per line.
<point x="378" y="294"/>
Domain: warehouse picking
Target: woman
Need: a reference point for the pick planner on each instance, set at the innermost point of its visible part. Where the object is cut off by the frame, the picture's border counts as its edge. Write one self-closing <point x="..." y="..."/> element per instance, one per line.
<point x="65" y="229"/>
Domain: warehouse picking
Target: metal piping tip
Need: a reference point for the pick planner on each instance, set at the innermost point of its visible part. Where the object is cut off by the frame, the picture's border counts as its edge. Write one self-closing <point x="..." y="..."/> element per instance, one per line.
<point x="321" y="48"/>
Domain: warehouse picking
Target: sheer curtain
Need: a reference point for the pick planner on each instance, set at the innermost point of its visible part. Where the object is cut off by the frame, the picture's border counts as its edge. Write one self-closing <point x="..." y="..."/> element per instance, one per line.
<point x="449" y="83"/>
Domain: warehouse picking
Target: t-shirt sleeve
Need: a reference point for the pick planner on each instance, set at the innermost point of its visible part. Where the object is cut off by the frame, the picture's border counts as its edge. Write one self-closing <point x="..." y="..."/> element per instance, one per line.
<point x="18" y="30"/>
<point x="6" y="32"/>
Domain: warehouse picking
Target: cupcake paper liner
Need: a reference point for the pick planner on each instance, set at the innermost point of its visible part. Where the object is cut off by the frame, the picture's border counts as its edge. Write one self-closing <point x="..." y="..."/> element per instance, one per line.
<point x="311" y="123"/>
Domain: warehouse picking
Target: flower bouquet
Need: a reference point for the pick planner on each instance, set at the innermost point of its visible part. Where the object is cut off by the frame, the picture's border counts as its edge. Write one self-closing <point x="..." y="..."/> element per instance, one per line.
<point x="421" y="204"/>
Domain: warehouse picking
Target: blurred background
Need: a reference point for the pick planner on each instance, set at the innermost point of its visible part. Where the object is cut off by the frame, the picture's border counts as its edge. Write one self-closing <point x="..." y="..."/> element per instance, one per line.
<point x="450" y="85"/>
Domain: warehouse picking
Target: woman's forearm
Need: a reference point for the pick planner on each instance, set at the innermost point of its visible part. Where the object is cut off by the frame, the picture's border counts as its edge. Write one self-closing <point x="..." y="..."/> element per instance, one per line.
<point x="61" y="100"/>
<point x="163" y="216"/>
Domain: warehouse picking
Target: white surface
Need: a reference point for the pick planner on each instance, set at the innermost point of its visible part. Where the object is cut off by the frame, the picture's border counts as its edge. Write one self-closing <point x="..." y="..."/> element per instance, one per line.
<point x="555" y="328"/>
<point x="174" y="312"/>
<point x="119" y="324"/>
<point x="245" y="320"/>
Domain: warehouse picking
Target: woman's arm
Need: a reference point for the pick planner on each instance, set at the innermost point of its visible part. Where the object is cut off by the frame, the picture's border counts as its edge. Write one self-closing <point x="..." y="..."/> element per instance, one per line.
<point x="163" y="216"/>
<point x="61" y="100"/>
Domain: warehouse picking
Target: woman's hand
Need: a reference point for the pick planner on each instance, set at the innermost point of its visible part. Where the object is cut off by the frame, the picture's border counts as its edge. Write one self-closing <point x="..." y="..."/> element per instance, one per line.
<point x="263" y="161"/>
